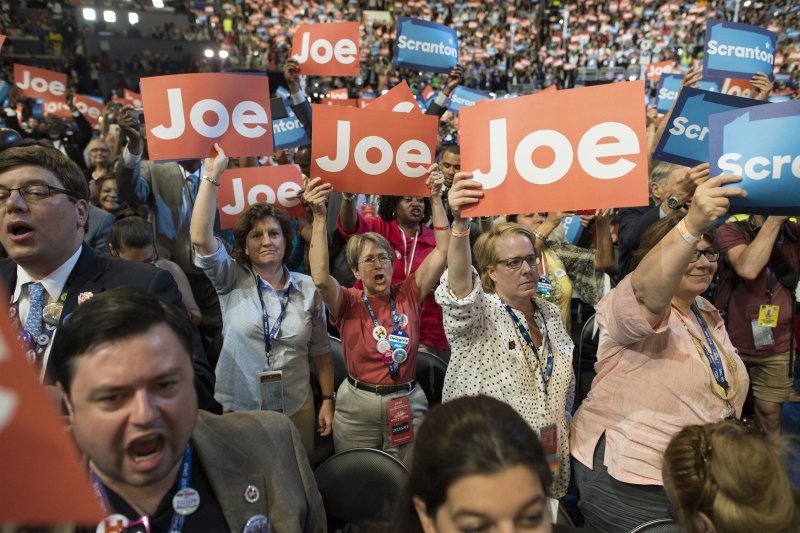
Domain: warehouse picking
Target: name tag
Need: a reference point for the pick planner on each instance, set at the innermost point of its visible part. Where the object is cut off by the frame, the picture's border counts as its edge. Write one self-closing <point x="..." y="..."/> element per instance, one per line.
<point x="398" y="412"/>
<point x="270" y="387"/>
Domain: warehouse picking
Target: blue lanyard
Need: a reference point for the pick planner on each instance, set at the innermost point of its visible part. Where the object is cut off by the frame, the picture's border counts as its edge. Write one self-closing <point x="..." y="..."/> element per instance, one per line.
<point x="548" y="370"/>
<point x="176" y="525"/>
<point x="270" y="334"/>
<point x="391" y="364"/>
<point x="371" y="311"/>
<point x="714" y="359"/>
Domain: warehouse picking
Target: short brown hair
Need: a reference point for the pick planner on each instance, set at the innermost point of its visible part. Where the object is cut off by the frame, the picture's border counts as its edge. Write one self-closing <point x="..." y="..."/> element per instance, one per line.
<point x="357" y="243"/>
<point x="254" y="213"/>
<point x="62" y="167"/>
<point x="486" y="248"/>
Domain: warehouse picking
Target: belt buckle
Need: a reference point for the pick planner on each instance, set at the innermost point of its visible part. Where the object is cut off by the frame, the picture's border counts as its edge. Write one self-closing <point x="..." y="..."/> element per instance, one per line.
<point x="378" y="390"/>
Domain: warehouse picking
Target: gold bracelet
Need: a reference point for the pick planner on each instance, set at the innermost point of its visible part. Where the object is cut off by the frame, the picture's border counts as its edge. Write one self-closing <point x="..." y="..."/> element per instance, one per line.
<point x="539" y="235"/>
<point x="456" y="233"/>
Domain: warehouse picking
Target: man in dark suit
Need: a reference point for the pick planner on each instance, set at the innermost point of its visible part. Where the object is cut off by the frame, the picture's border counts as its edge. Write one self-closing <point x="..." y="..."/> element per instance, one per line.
<point x="98" y="229"/>
<point x="124" y="369"/>
<point x="49" y="270"/>
<point x="666" y="180"/>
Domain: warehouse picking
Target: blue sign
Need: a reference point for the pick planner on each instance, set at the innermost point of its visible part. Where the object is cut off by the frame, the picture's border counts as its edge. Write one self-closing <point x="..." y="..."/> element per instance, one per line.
<point x="685" y="141"/>
<point x="289" y="132"/>
<point x="463" y="97"/>
<point x="424" y="45"/>
<point x="708" y="85"/>
<point x="668" y="88"/>
<point x="282" y="92"/>
<point x="572" y="228"/>
<point x="761" y="145"/>
<point x="735" y="50"/>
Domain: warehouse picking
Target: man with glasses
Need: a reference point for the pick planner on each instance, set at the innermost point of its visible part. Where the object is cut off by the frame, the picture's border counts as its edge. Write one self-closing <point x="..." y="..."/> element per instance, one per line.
<point x="758" y="278"/>
<point x="49" y="270"/>
<point x="124" y="366"/>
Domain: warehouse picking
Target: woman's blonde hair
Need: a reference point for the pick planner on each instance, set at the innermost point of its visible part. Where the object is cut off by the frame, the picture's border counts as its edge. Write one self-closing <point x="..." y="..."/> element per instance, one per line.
<point x="734" y="477"/>
<point x="485" y="249"/>
<point x="357" y="243"/>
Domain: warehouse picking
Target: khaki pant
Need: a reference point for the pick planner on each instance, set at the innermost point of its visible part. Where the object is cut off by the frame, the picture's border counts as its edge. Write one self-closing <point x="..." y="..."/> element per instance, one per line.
<point x="305" y="422"/>
<point x="769" y="376"/>
<point x="360" y="420"/>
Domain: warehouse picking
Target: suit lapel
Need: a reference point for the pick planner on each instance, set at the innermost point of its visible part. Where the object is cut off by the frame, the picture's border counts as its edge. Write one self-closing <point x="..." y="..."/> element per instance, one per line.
<point x="85" y="272"/>
<point x="8" y="272"/>
<point x="228" y="474"/>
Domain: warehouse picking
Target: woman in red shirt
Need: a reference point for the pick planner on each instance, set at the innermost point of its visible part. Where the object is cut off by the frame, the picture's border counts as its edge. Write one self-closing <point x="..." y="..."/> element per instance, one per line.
<point x="380" y="404"/>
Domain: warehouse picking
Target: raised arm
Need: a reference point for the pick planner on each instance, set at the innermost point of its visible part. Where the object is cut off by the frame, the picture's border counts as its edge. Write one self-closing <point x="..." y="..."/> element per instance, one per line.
<point x="316" y="197"/>
<point x="132" y="187"/>
<point x="749" y="260"/>
<point x="604" y="256"/>
<point x="465" y="192"/>
<point x="439" y="105"/>
<point x="547" y="227"/>
<point x="431" y="269"/>
<point x="762" y="87"/>
<point x="201" y="229"/>
<point x="300" y="104"/>
<point x="657" y="277"/>
<point x="348" y="216"/>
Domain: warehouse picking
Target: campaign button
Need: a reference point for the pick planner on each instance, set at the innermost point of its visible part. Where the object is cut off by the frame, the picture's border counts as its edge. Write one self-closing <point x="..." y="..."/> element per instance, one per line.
<point x="112" y="523"/>
<point x="399" y="356"/>
<point x="379" y="333"/>
<point x="398" y="339"/>
<point x="258" y="524"/>
<point x="186" y="501"/>
<point x="383" y="346"/>
<point x="403" y="320"/>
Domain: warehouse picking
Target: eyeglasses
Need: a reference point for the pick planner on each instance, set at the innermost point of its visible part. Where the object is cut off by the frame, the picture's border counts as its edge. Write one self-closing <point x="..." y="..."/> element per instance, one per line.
<point x="514" y="263"/>
<point x="33" y="192"/>
<point x="711" y="254"/>
<point x="383" y="259"/>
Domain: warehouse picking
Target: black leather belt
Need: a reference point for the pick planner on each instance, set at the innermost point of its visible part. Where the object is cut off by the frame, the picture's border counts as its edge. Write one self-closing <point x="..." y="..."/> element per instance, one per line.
<point x="382" y="390"/>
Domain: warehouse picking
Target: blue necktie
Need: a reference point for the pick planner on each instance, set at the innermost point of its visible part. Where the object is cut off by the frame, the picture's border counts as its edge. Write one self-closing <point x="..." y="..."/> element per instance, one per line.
<point x="33" y="325"/>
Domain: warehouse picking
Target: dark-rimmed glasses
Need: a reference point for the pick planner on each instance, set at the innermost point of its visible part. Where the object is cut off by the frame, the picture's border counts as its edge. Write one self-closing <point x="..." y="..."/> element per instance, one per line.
<point x="711" y="254"/>
<point x="33" y="192"/>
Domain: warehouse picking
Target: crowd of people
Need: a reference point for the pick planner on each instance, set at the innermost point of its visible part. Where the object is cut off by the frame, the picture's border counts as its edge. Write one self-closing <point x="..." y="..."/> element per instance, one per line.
<point x="172" y="342"/>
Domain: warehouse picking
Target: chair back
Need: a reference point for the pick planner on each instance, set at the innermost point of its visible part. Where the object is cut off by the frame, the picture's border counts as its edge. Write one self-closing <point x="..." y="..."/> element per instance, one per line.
<point x="339" y="366"/>
<point x="431" y="370"/>
<point x="661" y="525"/>
<point x="360" y="485"/>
